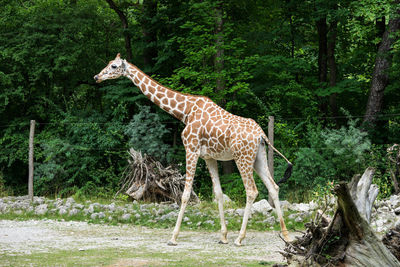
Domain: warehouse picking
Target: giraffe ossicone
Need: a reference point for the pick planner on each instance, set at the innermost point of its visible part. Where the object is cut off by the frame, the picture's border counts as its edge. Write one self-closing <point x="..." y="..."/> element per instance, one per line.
<point x="212" y="134"/>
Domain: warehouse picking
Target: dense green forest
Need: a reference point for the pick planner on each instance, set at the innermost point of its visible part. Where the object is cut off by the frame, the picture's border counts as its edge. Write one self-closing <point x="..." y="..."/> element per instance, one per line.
<point x="326" y="69"/>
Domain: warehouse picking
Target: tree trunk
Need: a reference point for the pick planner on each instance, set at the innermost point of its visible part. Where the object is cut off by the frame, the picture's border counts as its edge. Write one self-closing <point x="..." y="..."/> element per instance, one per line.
<point x="332" y="66"/>
<point x="149" y="35"/>
<point x="380" y="76"/>
<point x="322" y="29"/>
<point x="364" y="248"/>
<point x="228" y="167"/>
<point x="347" y="240"/>
<point x="124" y="21"/>
<point x="219" y="56"/>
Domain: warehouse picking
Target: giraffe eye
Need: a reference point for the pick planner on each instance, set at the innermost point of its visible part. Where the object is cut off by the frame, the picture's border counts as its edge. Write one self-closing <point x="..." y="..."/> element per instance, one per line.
<point x="113" y="66"/>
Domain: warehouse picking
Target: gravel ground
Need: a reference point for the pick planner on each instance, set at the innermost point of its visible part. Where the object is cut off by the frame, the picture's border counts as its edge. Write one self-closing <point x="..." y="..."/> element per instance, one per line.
<point x="27" y="237"/>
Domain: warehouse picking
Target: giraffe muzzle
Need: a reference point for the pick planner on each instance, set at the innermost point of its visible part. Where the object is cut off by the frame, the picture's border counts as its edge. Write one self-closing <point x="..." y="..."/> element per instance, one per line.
<point x="96" y="78"/>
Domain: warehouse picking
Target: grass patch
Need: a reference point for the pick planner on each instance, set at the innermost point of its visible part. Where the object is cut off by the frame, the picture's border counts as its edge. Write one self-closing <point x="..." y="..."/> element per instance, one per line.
<point x="126" y="257"/>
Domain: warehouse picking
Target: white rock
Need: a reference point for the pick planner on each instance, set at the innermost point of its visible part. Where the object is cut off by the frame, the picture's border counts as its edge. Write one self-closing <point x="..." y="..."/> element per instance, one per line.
<point x="239" y="212"/>
<point x="62" y="210"/>
<point x="209" y="222"/>
<point x="313" y="205"/>
<point x="397" y="211"/>
<point x="78" y="206"/>
<point x="41" y="209"/>
<point x="186" y="219"/>
<point x="111" y="207"/>
<point x="70" y="201"/>
<point x="261" y="206"/>
<point x="380" y="222"/>
<point x="394" y="201"/>
<point x="270" y="220"/>
<point x="38" y="200"/>
<point x="383" y="209"/>
<point x="285" y="205"/>
<point x="397" y="223"/>
<point x="298" y="219"/>
<point x="225" y="199"/>
<point x="300" y="207"/>
<point x="3" y="208"/>
<point x="126" y="216"/>
<point x="90" y="209"/>
<point x="59" y="203"/>
<point x="94" y="216"/>
<point x="73" y="212"/>
<point x="169" y="216"/>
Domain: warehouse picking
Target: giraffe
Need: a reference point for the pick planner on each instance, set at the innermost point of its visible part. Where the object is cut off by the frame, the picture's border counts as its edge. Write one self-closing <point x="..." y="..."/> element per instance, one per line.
<point x="211" y="133"/>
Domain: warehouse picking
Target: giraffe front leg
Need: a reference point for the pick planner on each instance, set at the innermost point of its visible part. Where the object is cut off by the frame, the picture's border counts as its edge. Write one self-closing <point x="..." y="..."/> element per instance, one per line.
<point x="213" y="169"/>
<point x="251" y="196"/>
<point x="191" y="161"/>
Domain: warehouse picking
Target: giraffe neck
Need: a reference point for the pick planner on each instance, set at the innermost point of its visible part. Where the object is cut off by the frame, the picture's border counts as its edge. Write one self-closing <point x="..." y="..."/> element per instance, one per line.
<point x="173" y="102"/>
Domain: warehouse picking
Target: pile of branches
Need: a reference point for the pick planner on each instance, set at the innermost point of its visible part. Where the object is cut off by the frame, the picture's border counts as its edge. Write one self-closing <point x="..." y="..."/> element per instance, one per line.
<point x="392" y="241"/>
<point x="147" y="179"/>
<point x="347" y="239"/>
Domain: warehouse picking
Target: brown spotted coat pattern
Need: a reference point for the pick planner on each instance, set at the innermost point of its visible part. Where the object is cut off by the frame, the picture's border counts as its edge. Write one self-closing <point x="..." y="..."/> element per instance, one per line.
<point x="212" y="134"/>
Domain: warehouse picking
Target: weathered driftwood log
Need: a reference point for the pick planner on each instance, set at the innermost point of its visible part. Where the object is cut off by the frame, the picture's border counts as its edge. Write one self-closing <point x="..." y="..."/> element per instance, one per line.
<point x="347" y="240"/>
<point x="364" y="193"/>
<point x="147" y="179"/>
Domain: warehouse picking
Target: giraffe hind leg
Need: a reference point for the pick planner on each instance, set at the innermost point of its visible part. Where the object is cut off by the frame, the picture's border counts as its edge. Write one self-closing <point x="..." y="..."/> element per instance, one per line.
<point x="246" y="171"/>
<point x="213" y="169"/>
<point x="261" y="167"/>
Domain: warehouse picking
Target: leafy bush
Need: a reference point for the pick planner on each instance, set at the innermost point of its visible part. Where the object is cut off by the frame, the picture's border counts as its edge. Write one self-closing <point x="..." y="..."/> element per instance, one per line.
<point x="146" y="132"/>
<point x="332" y="155"/>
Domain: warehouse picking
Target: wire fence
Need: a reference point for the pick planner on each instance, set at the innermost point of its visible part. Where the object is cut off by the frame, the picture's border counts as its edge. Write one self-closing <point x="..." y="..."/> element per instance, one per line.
<point x="277" y="118"/>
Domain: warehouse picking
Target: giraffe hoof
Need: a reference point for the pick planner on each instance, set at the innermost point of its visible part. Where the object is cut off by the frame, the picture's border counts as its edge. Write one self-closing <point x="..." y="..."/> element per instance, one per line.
<point x="237" y="244"/>
<point x="172" y="243"/>
<point x="223" y="242"/>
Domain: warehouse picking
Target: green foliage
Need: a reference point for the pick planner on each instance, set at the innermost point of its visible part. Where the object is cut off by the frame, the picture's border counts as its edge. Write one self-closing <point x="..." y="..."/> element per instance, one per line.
<point x="146" y="132"/>
<point x="51" y="49"/>
<point x="332" y="155"/>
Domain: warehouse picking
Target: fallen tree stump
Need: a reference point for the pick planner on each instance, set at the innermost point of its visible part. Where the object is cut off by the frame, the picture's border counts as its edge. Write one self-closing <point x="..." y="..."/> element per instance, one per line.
<point x="348" y="239"/>
<point x="392" y="241"/>
<point x="148" y="180"/>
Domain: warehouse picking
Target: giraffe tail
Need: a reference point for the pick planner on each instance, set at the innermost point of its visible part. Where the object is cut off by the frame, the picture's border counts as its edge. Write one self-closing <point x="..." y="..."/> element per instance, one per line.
<point x="289" y="168"/>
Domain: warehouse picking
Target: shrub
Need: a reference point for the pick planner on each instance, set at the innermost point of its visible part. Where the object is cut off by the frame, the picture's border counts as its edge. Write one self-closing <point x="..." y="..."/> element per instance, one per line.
<point x="332" y="154"/>
<point x="146" y="132"/>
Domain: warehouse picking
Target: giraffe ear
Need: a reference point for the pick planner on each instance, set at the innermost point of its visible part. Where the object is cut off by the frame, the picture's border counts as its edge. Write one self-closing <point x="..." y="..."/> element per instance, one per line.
<point x="118" y="55"/>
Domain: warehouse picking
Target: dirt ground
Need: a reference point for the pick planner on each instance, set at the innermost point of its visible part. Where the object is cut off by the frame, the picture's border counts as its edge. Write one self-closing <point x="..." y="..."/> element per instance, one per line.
<point x="22" y="238"/>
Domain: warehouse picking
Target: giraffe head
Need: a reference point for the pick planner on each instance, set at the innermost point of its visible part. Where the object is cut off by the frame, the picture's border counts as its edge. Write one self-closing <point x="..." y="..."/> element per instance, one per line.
<point x="113" y="70"/>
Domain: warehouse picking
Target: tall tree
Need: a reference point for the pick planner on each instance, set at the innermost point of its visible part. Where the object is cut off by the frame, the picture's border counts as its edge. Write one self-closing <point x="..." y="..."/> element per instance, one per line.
<point x="331" y="44"/>
<point x="383" y="61"/>
<point x="227" y="166"/>
<point x="125" y="27"/>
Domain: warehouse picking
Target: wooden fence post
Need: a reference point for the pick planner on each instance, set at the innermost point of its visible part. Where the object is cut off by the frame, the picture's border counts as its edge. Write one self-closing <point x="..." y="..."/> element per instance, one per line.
<point x="271" y="140"/>
<point x="30" y="181"/>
